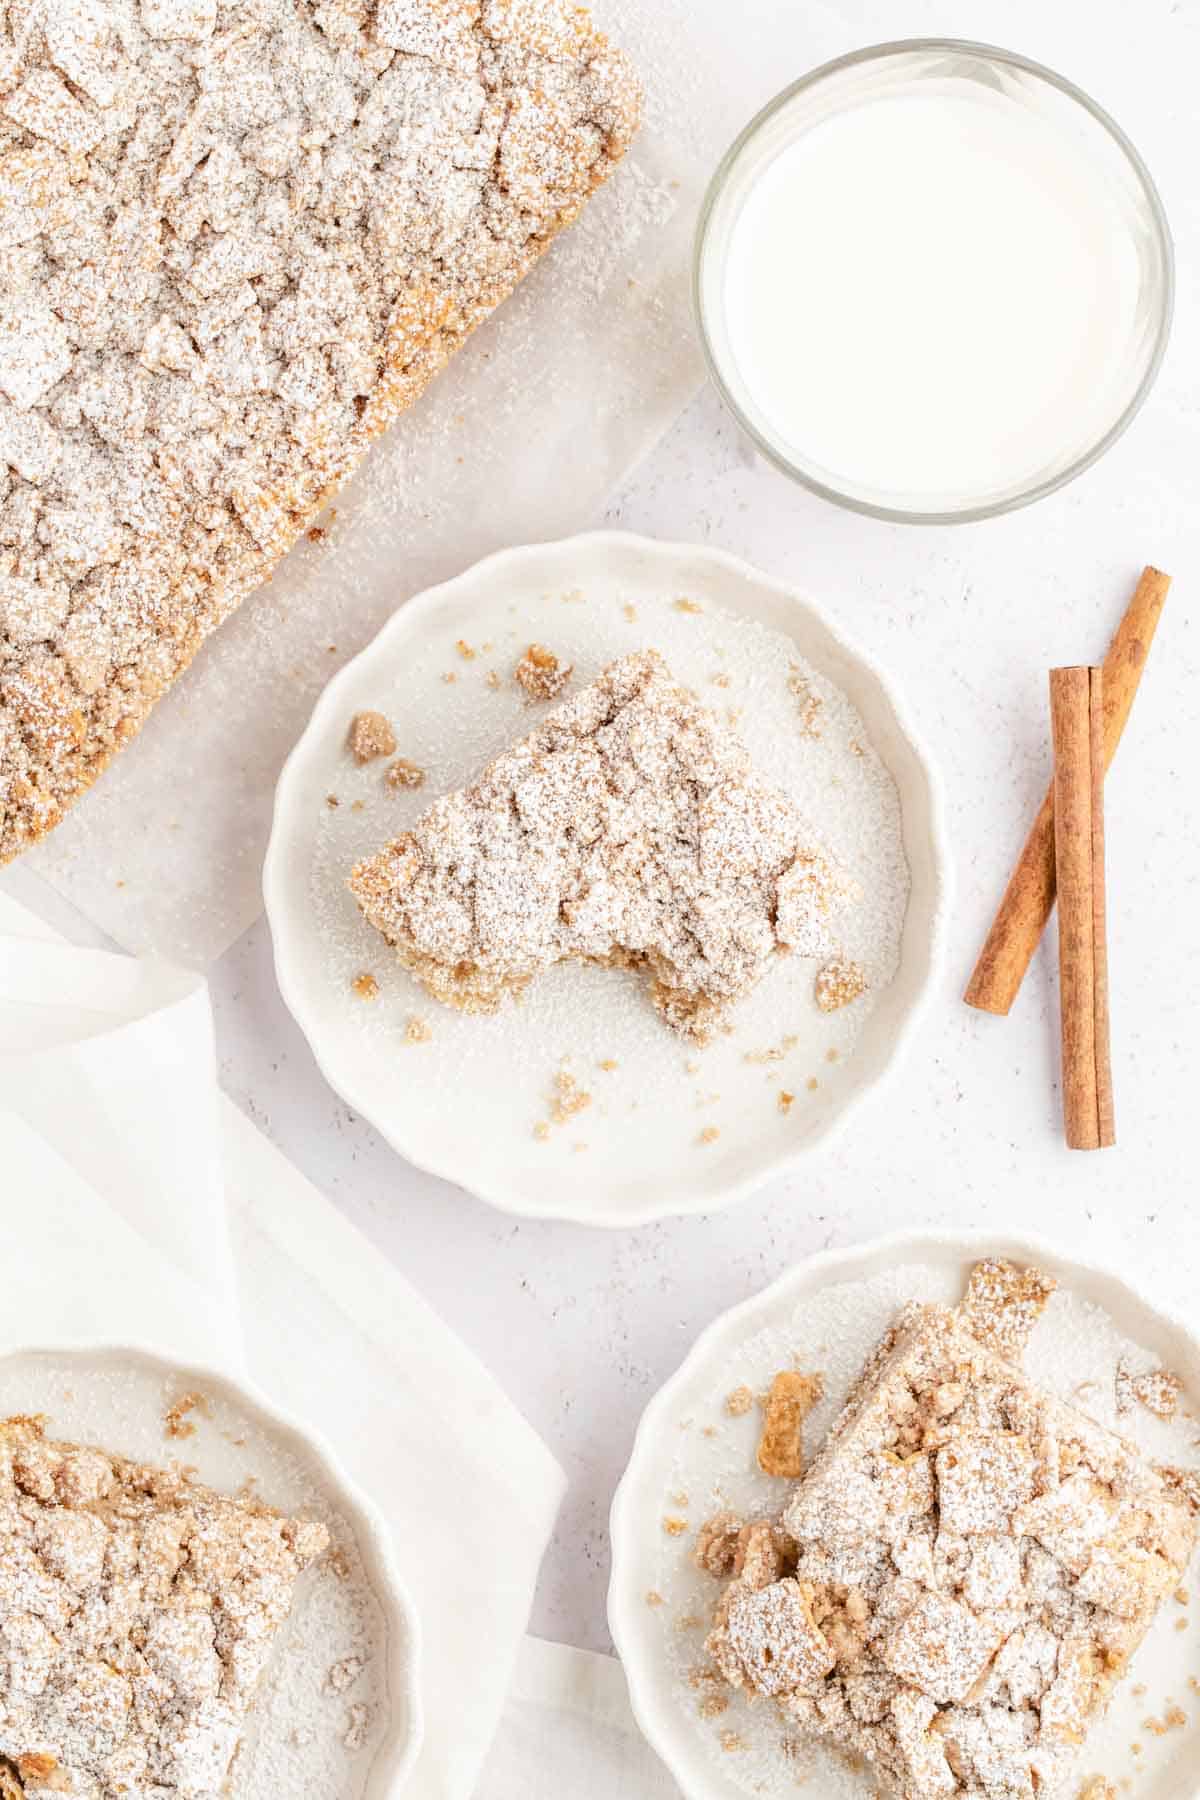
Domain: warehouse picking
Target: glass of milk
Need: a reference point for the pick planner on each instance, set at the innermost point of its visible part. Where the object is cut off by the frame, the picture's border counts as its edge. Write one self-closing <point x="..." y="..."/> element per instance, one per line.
<point x="934" y="280"/>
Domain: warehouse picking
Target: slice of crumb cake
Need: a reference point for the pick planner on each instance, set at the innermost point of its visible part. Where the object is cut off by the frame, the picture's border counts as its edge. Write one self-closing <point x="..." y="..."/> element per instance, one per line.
<point x="960" y="1580"/>
<point x="628" y="828"/>
<point x="137" y="1613"/>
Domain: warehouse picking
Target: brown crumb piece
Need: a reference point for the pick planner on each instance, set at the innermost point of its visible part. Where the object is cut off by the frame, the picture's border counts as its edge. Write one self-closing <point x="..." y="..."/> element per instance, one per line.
<point x="1158" y="1391"/>
<point x="710" y="1134"/>
<point x="784" y="1101"/>
<point x="405" y="774"/>
<point x="840" y="983"/>
<point x="317" y="534"/>
<point x="541" y="1131"/>
<point x="365" y="986"/>
<point x="465" y="650"/>
<point x="717" y="1544"/>
<point x="721" y="680"/>
<point x="370" y="736"/>
<point x="1098" y="1787"/>
<point x="339" y="1562"/>
<point x="356" y="806"/>
<point x="688" y="606"/>
<point x="673" y="1526"/>
<point x="358" y="1720"/>
<point x="1174" y="1719"/>
<point x="732" y="1742"/>
<point x="332" y="801"/>
<point x="492" y="678"/>
<point x="176" y="1422"/>
<point x="630" y="613"/>
<point x="417" y="1030"/>
<point x="776" y="1052"/>
<point x="856" y="748"/>
<point x="781" y="1447"/>
<point x="809" y="703"/>
<point x="654" y="1598"/>
<point x="540" y="673"/>
<point x="343" y="1674"/>
<point x="713" y="1702"/>
<point x="1181" y="1596"/>
<point x="609" y="1065"/>
<point x="738" y="1404"/>
<point x="1003" y="1303"/>
<point x="812" y="1084"/>
<point x="569" y="1098"/>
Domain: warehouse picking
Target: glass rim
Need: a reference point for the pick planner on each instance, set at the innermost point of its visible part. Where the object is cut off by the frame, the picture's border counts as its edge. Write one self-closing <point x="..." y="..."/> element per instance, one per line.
<point x="1037" y="490"/>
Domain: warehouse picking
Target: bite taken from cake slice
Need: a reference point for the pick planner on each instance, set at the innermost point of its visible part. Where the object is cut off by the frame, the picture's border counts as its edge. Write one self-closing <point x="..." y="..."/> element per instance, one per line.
<point x="960" y="1580"/>
<point x="627" y="829"/>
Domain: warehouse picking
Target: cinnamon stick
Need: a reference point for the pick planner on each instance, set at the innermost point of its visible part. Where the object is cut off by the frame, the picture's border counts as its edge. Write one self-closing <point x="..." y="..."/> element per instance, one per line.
<point x="1077" y="719"/>
<point x="1029" y="898"/>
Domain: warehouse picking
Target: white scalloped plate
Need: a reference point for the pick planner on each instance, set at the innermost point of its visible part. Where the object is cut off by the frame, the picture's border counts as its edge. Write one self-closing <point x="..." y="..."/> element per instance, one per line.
<point x="464" y="1104"/>
<point x="115" y="1396"/>
<point x="690" y="1457"/>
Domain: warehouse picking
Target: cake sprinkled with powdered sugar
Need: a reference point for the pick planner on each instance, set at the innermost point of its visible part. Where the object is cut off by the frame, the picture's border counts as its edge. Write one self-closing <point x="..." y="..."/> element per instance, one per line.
<point x="137" y="1613"/>
<point x="235" y="241"/>
<point x="961" y="1579"/>
<point x="627" y="829"/>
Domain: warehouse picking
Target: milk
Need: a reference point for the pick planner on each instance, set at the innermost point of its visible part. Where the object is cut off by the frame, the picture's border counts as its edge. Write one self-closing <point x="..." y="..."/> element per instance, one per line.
<point x="932" y="295"/>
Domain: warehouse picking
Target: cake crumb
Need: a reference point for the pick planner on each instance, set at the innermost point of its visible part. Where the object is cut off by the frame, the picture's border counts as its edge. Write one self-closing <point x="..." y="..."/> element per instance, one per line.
<point x="405" y="774"/>
<point x="176" y="1422"/>
<point x="316" y="534"/>
<point x="465" y="650"/>
<point x="343" y="1675"/>
<point x="569" y="1099"/>
<point x="609" y="1065"/>
<point x="332" y="802"/>
<point x="812" y="1084"/>
<point x="809" y="703"/>
<point x="630" y="613"/>
<point x="784" y="1101"/>
<point x="856" y="748"/>
<point x="839" y="983"/>
<point x="365" y="986"/>
<point x="721" y="680"/>
<point x="541" y="1131"/>
<point x="1003" y="1303"/>
<point x="492" y="678"/>
<point x="371" y="735"/>
<point x="540" y="673"/>
<point x="357" y="1721"/>
<point x="1098" y="1787"/>
<point x="709" y="1135"/>
<point x="417" y="1030"/>
<point x="739" y="1403"/>
<point x="357" y="806"/>
<point x="674" y="1527"/>
<point x="654" y="1598"/>
<point x="775" y="1053"/>
<point x="792" y="1397"/>
<point x="731" y="1742"/>
<point x="684" y="605"/>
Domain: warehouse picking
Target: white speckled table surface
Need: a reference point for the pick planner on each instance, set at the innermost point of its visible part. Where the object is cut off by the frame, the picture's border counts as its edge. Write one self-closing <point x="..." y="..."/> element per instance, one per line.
<point x="582" y="1326"/>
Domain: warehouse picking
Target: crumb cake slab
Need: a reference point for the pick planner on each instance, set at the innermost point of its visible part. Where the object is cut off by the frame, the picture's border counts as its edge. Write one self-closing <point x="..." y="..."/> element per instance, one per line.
<point x="588" y="601"/>
<point x="238" y="241"/>
<point x="341" y="1669"/>
<point x="694" y="1456"/>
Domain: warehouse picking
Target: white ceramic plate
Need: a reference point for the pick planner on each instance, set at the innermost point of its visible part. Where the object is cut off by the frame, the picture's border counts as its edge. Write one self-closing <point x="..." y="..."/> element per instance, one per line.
<point x="115" y="1397"/>
<point x="669" y="1130"/>
<point x="690" y="1458"/>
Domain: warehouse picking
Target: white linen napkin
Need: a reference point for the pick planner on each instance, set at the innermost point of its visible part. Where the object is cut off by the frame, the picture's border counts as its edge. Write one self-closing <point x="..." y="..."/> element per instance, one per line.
<point x="131" y="1188"/>
<point x="568" y="1729"/>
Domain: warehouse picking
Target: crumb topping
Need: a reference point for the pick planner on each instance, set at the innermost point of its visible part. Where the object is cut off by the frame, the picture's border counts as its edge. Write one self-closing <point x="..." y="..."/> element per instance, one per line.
<point x="137" y="1612"/>
<point x="237" y="241"/>
<point x="371" y="735"/>
<point x="840" y="983"/>
<point x="405" y="774"/>
<point x="540" y="674"/>
<point x="627" y="829"/>
<point x="961" y="1578"/>
<point x="791" y="1398"/>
